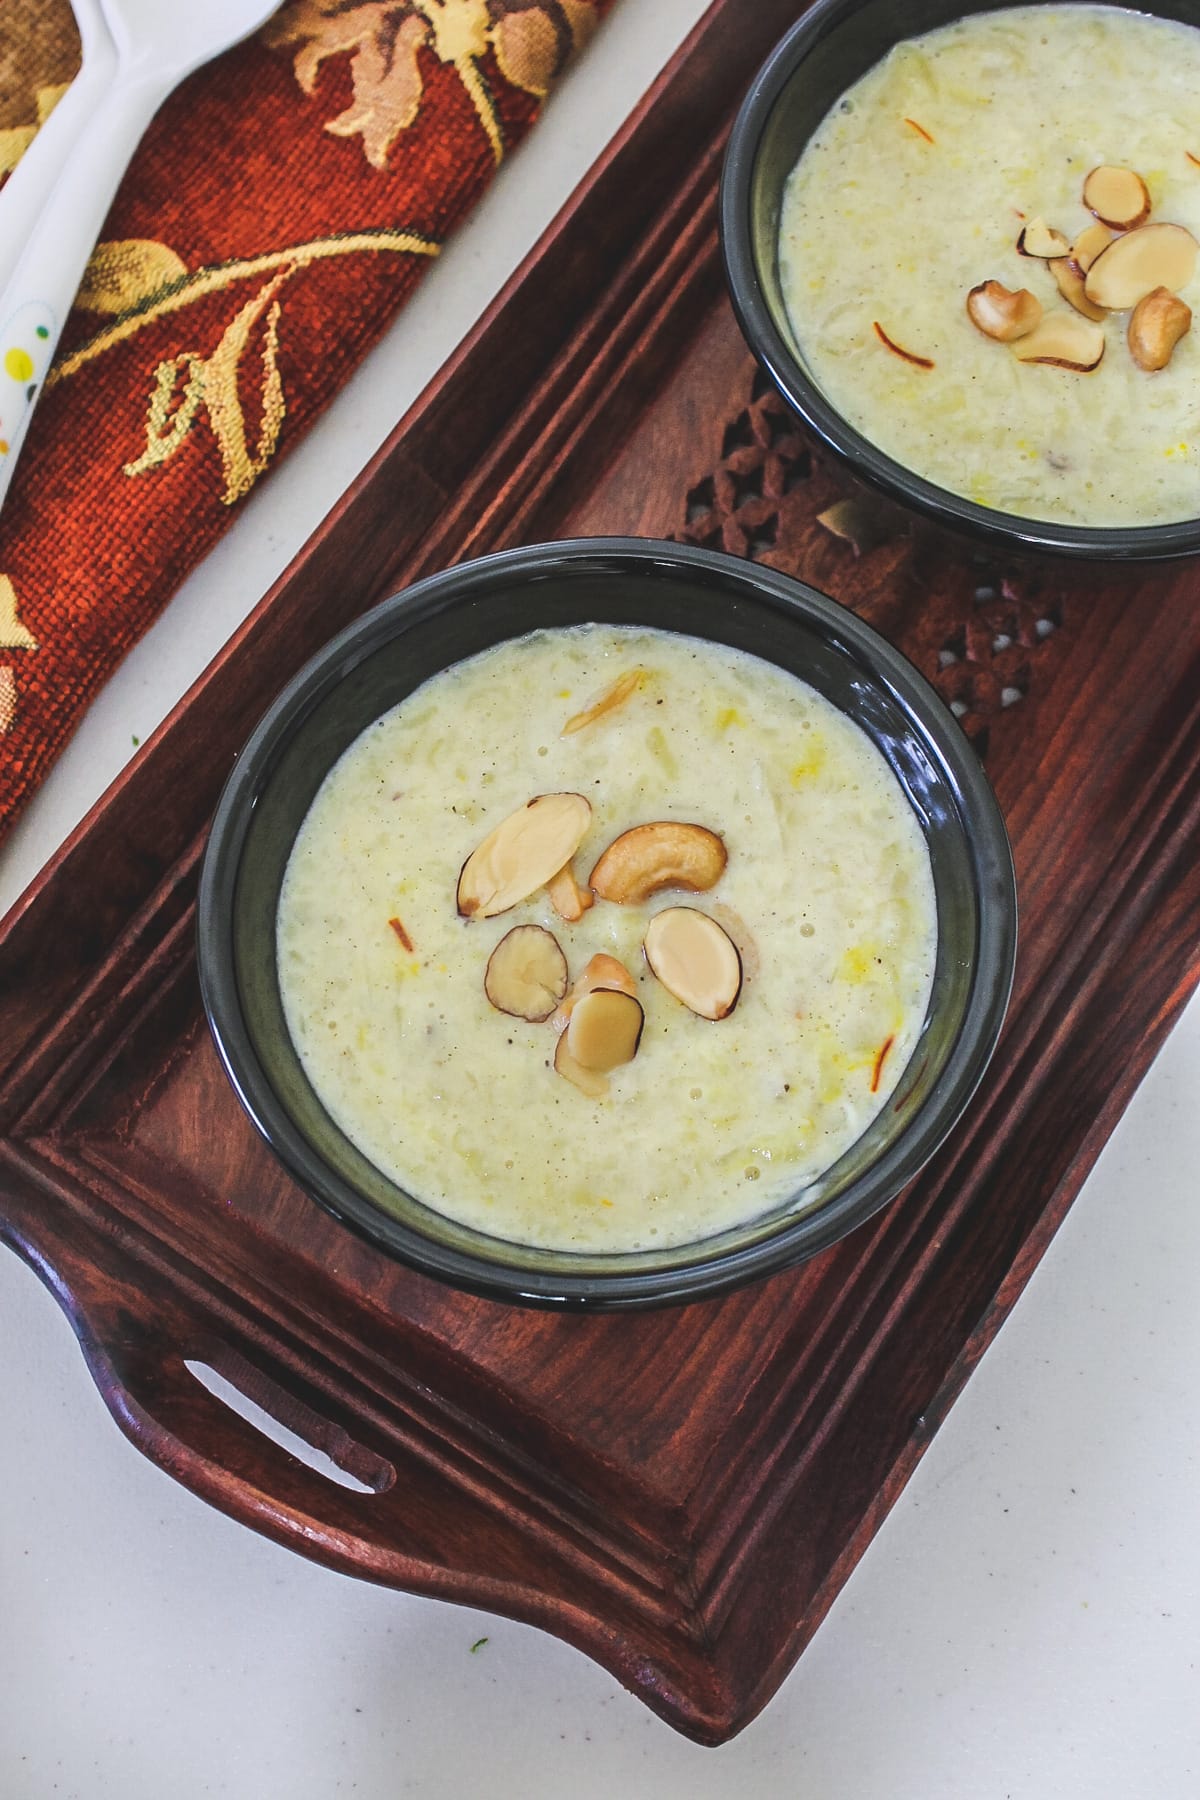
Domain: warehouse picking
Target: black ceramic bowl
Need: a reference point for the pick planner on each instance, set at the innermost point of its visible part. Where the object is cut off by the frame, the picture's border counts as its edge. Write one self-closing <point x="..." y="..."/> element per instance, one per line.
<point x="827" y="51"/>
<point x="384" y="656"/>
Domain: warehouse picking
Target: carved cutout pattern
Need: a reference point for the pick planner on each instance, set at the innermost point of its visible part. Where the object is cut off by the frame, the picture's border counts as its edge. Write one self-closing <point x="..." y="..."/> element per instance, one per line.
<point x="979" y="631"/>
<point x="986" y="663"/>
<point x="764" y="460"/>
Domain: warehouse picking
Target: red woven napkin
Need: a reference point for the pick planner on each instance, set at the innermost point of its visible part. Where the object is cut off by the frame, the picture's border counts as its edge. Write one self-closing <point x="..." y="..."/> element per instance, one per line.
<point x="284" y="203"/>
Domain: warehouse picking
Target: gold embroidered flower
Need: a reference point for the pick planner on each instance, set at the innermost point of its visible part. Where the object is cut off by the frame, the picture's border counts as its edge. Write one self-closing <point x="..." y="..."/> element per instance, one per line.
<point x="385" y="40"/>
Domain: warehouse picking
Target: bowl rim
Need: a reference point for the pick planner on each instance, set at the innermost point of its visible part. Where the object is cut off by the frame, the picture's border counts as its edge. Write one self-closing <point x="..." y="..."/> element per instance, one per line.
<point x="1141" y="543"/>
<point x="702" y="1277"/>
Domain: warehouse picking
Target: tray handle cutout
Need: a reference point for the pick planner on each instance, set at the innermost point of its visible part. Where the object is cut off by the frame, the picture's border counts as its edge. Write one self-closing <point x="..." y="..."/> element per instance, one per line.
<point x="242" y="1417"/>
<point x="220" y="1424"/>
<point x="325" y="1448"/>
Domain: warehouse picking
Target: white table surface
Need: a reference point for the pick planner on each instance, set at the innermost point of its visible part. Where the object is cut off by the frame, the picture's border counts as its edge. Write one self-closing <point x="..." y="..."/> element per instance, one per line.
<point x="1026" y="1625"/>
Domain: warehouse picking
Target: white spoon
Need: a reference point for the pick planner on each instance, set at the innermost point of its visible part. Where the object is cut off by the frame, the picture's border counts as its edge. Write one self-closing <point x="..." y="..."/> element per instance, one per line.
<point x="28" y="187"/>
<point x="156" y="46"/>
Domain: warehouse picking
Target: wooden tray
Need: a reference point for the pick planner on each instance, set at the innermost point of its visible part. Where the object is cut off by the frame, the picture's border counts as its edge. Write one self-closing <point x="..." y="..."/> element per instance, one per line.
<point x="682" y="1494"/>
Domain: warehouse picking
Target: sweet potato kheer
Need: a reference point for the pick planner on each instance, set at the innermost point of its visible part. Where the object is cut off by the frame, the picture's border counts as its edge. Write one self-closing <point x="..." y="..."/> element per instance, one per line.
<point x="988" y="252"/>
<point x="607" y="938"/>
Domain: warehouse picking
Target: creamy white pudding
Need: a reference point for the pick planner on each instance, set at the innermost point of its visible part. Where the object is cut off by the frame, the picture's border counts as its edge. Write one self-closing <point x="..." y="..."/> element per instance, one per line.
<point x="915" y="189"/>
<point x="820" y="877"/>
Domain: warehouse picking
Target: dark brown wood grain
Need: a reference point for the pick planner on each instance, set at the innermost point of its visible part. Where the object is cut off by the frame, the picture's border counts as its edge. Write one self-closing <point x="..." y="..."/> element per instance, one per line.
<point x="682" y="1494"/>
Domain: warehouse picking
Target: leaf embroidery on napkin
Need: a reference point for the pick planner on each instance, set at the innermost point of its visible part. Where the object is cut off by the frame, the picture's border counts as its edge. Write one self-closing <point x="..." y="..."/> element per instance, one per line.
<point x="213" y="381"/>
<point x="147" y="281"/>
<point x="124" y="273"/>
<point x="13" y="635"/>
<point x="383" y="39"/>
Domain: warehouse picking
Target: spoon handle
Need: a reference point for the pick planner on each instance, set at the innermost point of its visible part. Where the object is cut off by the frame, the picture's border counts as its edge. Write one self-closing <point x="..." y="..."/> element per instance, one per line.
<point x="35" y="303"/>
<point x="25" y="193"/>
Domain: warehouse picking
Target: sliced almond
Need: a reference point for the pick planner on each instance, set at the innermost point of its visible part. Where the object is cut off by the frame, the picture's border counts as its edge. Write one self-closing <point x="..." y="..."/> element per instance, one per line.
<point x="663" y="855"/>
<point x="568" y="899"/>
<point x="1002" y="314"/>
<point x="526" y="974"/>
<point x="605" y="1029"/>
<point x="1065" y="340"/>
<point x="1134" y="265"/>
<point x="612" y="697"/>
<point x="522" y="854"/>
<point x="602" y="971"/>
<point x="1088" y="245"/>
<point x="1068" y="278"/>
<point x="861" y="523"/>
<point x="695" y="960"/>
<point x="1118" y="197"/>
<point x="1156" y="325"/>
<point x="589" y="1081"/>
<point x="1039" y="239"/>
